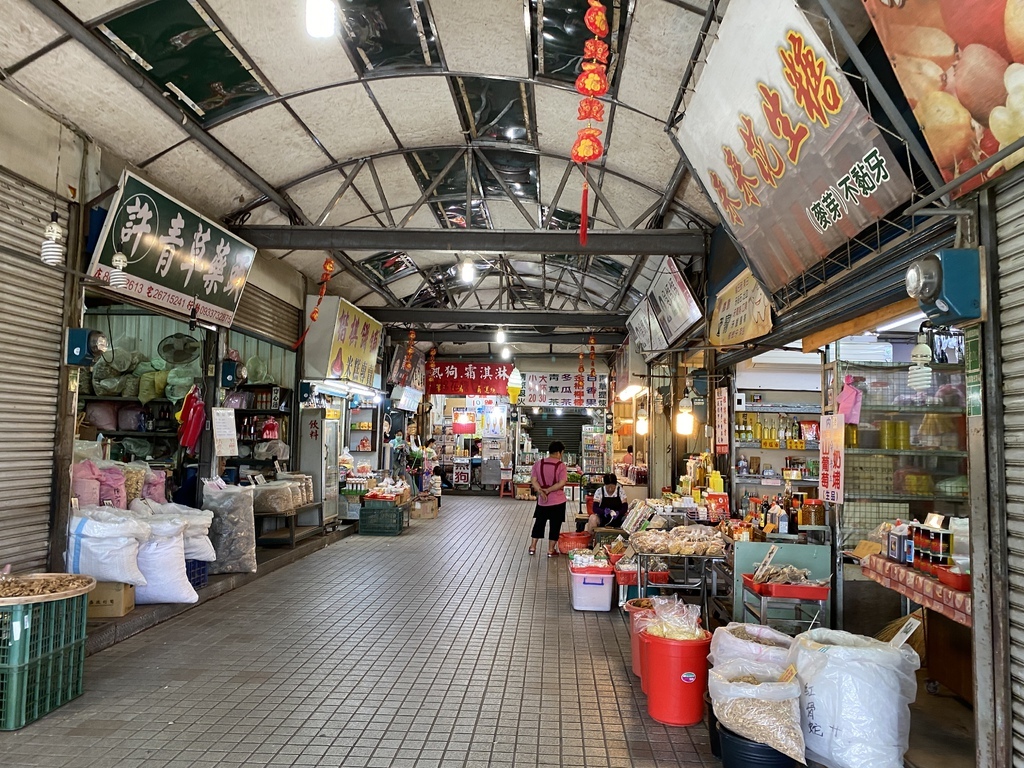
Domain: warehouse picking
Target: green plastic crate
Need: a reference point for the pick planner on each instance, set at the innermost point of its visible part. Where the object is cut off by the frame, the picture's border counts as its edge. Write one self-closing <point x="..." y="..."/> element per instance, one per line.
<point x="33" y="630"/>
<point x="30" y="691"/>
<point x="381" y="521"/>
<point x="379" y="504"/>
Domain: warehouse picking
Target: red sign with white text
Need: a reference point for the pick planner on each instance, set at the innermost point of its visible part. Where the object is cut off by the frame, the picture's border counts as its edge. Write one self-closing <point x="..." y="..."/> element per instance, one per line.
<point x="468" y="379"/>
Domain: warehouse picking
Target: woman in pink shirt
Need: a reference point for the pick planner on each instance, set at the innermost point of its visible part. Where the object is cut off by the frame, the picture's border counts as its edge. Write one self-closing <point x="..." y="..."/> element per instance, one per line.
<point x="548" y="478"/>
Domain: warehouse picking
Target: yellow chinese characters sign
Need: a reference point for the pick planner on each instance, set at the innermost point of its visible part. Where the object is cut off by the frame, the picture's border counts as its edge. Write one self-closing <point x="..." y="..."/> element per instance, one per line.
<point x="354" y="347"/>
<point x="742" y="312"/>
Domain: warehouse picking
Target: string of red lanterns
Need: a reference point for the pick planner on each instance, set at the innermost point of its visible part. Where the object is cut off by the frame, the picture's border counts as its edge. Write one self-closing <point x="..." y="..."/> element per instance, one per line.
<point x="591" y="83"/>
<point x="410" y="348"/>
<point x="329" y="267"/>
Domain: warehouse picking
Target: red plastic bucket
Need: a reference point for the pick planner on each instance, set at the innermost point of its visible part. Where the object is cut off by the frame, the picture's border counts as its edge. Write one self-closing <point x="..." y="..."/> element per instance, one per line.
<point x="645" y="674"/>
<point x="676" y="675"/>
<point x="635" y="612"/>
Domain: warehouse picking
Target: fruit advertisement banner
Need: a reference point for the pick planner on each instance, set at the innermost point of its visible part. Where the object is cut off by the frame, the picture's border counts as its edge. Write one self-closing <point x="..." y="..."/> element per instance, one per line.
<point x="354" y="348"/>
<point x="961" y="65"/>
<point x="782" y="144"/>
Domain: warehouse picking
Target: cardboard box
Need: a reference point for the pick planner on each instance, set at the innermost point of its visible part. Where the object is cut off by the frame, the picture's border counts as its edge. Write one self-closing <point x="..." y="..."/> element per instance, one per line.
<point x="424" y="509"/>
<point x="111" y="600"/>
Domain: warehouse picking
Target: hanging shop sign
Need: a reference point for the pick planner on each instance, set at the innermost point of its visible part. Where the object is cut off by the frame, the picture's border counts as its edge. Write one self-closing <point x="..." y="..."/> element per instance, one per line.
<point x="176" y="257"/>
<point x="954" y="60"/>
<point x="972" y="371"/>
<point x="630" y="370"/>
<point x="674" y="305"/>
<point x="831" y="458"/>
<point x="492" y="421"/>
<point x="742" y="312"/>
<point x="414" y="375"/>
<point x="463" y="421"/>
<point x="563" y="390"/>
<point x="791" y="158"/>
<point x="343" y="344"/>
<point x="467" y="379"/>
<point x="645" y="332"/>
<point x="722" y="423"/>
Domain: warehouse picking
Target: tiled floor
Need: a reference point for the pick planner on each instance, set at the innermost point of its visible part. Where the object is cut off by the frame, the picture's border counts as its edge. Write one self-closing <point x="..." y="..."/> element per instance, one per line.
<point x="446" y="646"/>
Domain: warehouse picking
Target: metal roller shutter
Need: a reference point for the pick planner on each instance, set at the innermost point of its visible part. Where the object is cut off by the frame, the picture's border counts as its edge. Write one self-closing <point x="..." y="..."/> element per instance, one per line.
<point x="1010" y="234"/>
<point x="548" y="427"/>
<point x="263" y="314"/>
<point x="31" y="316"/>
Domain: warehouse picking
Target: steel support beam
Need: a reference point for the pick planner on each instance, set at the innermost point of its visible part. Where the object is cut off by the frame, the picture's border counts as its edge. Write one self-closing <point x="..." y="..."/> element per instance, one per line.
<point x="490" y="318"/>
<point x="651" y="242"/>
<point x="512" y="337"/>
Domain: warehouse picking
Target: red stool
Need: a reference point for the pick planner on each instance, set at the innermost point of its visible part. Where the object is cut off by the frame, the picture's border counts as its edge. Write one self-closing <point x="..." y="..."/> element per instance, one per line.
<point x="506" y="489"/>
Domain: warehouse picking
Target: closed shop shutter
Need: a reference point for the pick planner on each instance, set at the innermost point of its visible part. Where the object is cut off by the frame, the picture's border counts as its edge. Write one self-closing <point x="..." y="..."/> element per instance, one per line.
<point x="31" y="316"/>
<point x="264" y="315"/>
<point x="567" y="428"/>
<point x="1010" y="235"/>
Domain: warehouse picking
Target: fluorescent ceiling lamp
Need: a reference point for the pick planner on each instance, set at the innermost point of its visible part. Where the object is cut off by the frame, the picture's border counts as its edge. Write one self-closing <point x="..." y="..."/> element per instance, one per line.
<point x="916" y="317"/>
<point x="500" y="336"/>
<point x="630" y="392"/>
<point x="321" y="18"/>
<point x="468" y="271"/>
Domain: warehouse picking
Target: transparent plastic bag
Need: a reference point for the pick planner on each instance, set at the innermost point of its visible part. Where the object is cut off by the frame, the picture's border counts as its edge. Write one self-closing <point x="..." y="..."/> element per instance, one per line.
<point x="856" y="694"/>
<point x="273" y="498"/>
<point x="110" y="387"/>
<point x="272" y="449"/>
<point x="131" y="386"/>
<point x="134" y="480"/>
<point x="88" y="449"/>
<point x="752" y="642"/>
<point x="749" y="699"/>
<point x="257" y="371"/>
<point x="674" y="620"/>
<point x="233" y="529"/>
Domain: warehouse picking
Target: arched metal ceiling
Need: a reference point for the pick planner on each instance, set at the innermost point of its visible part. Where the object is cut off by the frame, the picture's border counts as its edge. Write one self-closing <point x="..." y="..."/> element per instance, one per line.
<point x="421" y="113"/>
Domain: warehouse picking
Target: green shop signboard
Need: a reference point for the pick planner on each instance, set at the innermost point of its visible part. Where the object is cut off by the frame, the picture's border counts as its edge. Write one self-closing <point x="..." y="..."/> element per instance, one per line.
<point x="176" y="257"/>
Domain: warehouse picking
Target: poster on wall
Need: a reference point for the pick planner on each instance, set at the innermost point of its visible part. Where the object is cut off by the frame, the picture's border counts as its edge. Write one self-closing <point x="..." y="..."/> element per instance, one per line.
<point x="959" y="63"/>
<point x="722" y="423"/>
<point x="831" y="458"/>
<point x="225" y="432"/>
<point x="415" y="375"/>
<point x="453" y="378"/>
<point x="675" y="308"/>
<point x="741" y="313"/>
<point x="645" y="332"/>
<point x="176" y="256"/>
<point x="791" y="159"/>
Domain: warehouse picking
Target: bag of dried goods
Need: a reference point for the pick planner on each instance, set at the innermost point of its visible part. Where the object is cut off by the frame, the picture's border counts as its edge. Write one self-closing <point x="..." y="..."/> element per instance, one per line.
<point x="673" y="620"/>
<point x="102" y="415"/>
<point x="750" y="699"/>
<point x="197" y="525"/>
<point x="273" y="498"/>
<point x="134" y="480"/>
<point x="233" y="530"/>
<point x="112" y="484"/>
<point x="749" y="641"/>
<point x="155" y="487"/>
<point x="162" y="562"/>
<point x="855" y="698"/>
<point x="85" y="483"/>
<point x="104" y="543"/>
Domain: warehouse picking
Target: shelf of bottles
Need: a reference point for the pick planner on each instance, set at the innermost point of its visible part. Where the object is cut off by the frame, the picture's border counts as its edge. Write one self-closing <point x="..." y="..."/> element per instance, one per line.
<point x="594" y="450"/>
<point x="784" y="430"/>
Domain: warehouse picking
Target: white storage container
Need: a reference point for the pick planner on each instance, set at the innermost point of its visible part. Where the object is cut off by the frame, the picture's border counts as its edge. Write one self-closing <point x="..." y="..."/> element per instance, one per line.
<point x="592" y="591"/>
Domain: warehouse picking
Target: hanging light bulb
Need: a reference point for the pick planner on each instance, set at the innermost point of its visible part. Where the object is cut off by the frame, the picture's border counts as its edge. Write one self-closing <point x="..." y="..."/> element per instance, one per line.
<point x="536" y="410"/>
<point x="558" y="411"/>
<point x="468" y="271"/>
<point x="919" y="378"/>
<point x="506" y="353"/>
<point x="500" y="336"/>
<point x="684" y="418"/>
<point x="52" y="250"/>
<point x="118" y="278"/>
<point x="642" y="425"/>
<point x="321" y="18"/>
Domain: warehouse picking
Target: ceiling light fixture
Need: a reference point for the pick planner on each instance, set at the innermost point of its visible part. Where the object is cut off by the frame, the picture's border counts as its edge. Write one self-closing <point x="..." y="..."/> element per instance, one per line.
<point x="500" y="336"/>
<point x="914" y="318"/>
<point x="642" y="425"/>
<point x="506" y="353"/>
<point x="468" y="271"/>
<point x="684" y="418"/>
<point x="117" y="277"/>
<point x="321" y="18"/>
<point x="51" y="252"/>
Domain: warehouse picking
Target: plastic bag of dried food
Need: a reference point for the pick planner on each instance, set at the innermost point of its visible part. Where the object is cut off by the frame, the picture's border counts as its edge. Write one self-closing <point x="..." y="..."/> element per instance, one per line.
<point x="855" y="698"/>
<point x="749" y="641"/>
<point x="197" y="525"/>
<point x="273" y="498"/>
<point x="134" y="480"/>
<point x="162" y="562"/>
<point x="104" y="544"/>
<point x="88" y="449"/>
<point x="155" y="487"/>
<point x="674" y="620"/>
<point x="272" y="449"/>
<point x="749" y="699"/>
<point x="233" y="530"/>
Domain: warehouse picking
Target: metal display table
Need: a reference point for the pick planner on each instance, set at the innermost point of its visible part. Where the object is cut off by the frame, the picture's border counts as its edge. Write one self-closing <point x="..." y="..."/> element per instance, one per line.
<point x="764" y="609"/>
<point x="697" y="571"/>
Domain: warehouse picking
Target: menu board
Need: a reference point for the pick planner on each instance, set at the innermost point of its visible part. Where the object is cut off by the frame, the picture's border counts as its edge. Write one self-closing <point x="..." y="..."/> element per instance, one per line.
<point x="675" y="308"/>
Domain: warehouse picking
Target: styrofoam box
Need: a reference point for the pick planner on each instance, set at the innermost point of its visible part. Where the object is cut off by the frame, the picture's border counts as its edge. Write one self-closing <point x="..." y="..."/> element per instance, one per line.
<point x="592" y="591"/>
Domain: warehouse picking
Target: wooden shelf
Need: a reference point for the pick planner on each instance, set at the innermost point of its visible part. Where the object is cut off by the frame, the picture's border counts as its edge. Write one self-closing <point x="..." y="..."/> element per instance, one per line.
<point x="283" y="535"/>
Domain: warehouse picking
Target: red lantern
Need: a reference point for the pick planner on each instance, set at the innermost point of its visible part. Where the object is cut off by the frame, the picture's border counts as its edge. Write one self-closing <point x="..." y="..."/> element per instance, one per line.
<point x="593" y="80"/>
<point x="596" y="18"/>
<point x="587" y="147"/>
<point x="596" y="49"/>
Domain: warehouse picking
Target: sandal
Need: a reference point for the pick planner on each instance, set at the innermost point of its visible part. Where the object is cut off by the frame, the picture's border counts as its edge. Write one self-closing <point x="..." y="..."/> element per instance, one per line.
<point x="533" y="552"/>
<point x="553" y="553"/>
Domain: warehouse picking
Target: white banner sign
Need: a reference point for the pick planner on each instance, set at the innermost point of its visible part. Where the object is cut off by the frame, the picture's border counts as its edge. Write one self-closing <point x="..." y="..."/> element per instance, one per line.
<point x="722" y="423"/>
<point x="560" y="390"/>
<point x="832" y="458"/>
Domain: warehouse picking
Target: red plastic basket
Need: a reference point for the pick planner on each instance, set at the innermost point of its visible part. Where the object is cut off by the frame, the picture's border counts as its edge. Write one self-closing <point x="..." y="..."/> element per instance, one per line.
<point x="757" y="589"/>
<point x="798" y="591"/>
<point x="657" y="577"/>
<point x="958" y="581"/>
<point x="613" y="558"/>
<point x="625" y="578"/>
<point x="570" y="541"/>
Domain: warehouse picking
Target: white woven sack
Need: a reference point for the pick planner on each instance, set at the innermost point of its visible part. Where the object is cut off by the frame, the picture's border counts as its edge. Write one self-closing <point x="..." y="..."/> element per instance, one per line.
<point x="162" y="561"/>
